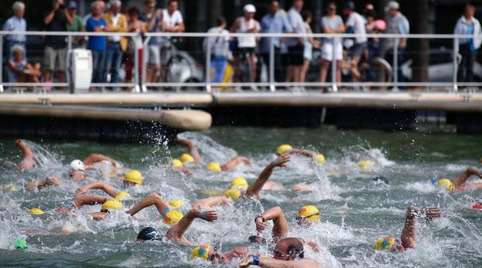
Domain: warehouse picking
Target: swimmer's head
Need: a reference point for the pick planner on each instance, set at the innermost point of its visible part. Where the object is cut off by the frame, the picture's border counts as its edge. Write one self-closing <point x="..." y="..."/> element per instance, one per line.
<point x="77" y="165"/>
<point x="214" y="167"/>
<point x="177" y="163"/>
<point x="283" y="148"/>
<point x="122" y="196"/>
<point x="35" y="211"/>
<point x="209" y="253"/>
<point x="149" y="234"/>
<point x="320" y="159"/>
<point x="239" y="183"/>
<point x="289" y="249"/>
<point x="308" y="215"/>
<point x="21" y="244"/>
<point x="172" y="217"/>
<point x="388" y="243"/>
<point x="133" y="177"/>
<point x="234" y="194"/>
<point x="176" y="203"/>
<point x="10" y="187"/>
<point x="111" y="204"/>
<point x="446" y="183"/>
<point x="186" y="158"/>
<point x="365" y="165"/>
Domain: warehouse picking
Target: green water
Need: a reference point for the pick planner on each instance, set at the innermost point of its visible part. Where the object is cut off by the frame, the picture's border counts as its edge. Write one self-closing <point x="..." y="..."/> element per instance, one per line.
<point x="354" y="211"/>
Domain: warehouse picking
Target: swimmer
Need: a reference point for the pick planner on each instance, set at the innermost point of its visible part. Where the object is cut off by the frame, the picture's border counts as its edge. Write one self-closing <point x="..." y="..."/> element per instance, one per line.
<point x="178" y="165"/>
<point x="76" y="173"/>
<point x="461" y="183"/>
<point x="28" y="156"/>
<point x="193" y="151"/>
<point x="96" y="158"/>
<point x="409" y="232"/>
<point x="286" y="148"/>
<point x="288" y="252"/>
<point x="177" y="231"/>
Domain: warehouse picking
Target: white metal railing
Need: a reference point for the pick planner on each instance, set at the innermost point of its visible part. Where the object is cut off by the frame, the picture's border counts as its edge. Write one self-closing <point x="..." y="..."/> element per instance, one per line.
<point x="140" y="85"/>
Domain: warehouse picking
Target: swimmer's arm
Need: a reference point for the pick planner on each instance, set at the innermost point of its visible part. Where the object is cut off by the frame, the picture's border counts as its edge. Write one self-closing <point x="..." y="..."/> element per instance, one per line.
<point x="193" y="151"/>
<point x="409" y="232"/>
<point x="280" y="227"/>
<point x="184" y="170"/>
<point x="273" y="263"/>
<point x="210" y="202"/>
<point x="465" y="176"/>
<point x="108" y="189"/>
<point x="231" y="164"/>
<point x="256" y="187"/>
<point x="27" y="161"/>
<point x="152" y="199"/>
<point x="97" y="216"/>
<point x="306" y="153"/>
<point x="90" y="200"/>
<point x="177" y="231"/>
<point x="39" y="184"/>
<point x="94" y="158"/>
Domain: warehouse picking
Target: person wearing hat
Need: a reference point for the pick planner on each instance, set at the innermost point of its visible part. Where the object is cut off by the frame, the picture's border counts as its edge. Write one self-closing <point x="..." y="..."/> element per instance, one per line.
<point x="409" y="231"/>
<point x="77" y="26"/>
<point x="247" y="45"/>
<point x="461" y="183"/>
<point x="356" y="25"/>
<point x="397" y="23"/>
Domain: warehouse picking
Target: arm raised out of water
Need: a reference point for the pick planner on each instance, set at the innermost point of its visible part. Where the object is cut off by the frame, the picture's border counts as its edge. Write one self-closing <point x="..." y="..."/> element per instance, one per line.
<point x="108" y="189"/>
<point x="152" y="199"/>
<point x="39" y="184"/>
<point x="210" y="202"/>
<point x="176" y="232"/>
<point x="462" y="178"/>
<point x="255" y="188"/>
<point x="27" y="161"/>
<point x="94" y="158"/>
<point x="280" y="227"/>
<point x="409" y="232"/>
<point x="193" y="151"/>
<point x="303" y="152"/>
<point x="231" y="164"/>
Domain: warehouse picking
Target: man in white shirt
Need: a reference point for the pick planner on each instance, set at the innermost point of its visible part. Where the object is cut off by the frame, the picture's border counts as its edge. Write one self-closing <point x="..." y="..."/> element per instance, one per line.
<point x="172" y="22"/>
<point x="295" y="45"/>
<point x="355" y="24"/>
<point x="16" y="24"/>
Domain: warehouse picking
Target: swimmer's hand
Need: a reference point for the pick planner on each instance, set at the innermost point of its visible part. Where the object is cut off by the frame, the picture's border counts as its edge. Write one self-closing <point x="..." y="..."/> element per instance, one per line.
<point x="246" y="262"/>
<point x="428" y="213"/>
<point x="245" y="161"/>
<point x="260" y="224"/>
<point x="210" y="215"/>
<point x="281" y="161"/>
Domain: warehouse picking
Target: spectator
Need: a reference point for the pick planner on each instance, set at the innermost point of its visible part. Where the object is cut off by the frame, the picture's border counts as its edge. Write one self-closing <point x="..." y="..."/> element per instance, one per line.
<point x="16" y="24"/>
<point x="219" y="49"/>
<point x="153" y="18"/>
<point x="332" y="47"/>
<point x="102" y="10"/>
<point x="139" y="27"/>
<point x="295" y="45"/>
<point x="276" y="21"/>
<point x="77" y="26"/>
<point x="19" y="70"/>
<point x="55" y="52"/>
<point x="369" y="8"/>
<point x="468" y="25"/>
<point x="396" y="24"/>
<point x="117" y="45"/>
<point x="356" y="25"/>
<point x="374" y="44"/>
<point x="247" y="45"/>
<point x="310" y="42"/>
<point x="97" y="44"/>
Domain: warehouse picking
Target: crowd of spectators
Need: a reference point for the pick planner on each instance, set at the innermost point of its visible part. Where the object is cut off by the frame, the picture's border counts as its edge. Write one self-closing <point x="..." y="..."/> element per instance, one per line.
<point x="292" y="58"/>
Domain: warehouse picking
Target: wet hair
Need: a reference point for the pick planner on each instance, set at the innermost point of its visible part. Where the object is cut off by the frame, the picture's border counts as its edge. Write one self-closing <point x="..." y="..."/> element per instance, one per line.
<point x="295" y="247"/>
<point x="133" y="11"/>
<point x="148" y="233"/>
<point x="305" y="14"/>
<point x="257" y="239"/>
<point x="220" y="21"/>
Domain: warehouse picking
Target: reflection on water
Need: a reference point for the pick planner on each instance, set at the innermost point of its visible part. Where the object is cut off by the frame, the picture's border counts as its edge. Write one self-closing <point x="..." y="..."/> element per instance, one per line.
<point x="354" y="210"/>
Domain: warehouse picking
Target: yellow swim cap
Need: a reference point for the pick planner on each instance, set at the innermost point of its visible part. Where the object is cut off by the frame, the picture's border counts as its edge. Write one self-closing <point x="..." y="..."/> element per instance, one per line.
<point x="35" y="211"/>
<point x="234" y="194"/>
<point x="122" y="196"/>
<point x="283" y="148"/>
<point x="9" y="187"/>
<point x="239" y="183"/>
<point x="176" y="203"/>
<point x="177" y="163"/>
<point x="172" y="217"/>
<point x="186" y="158"/>
<point x="310" y="213"/>
<point x="320" y="159"/>
<point x="214" y="167"/>
<point x="134" y="176"/>
<point x="112" y="204"/>
<point x="446" y="183"/>
<point x="365" y="165"/>
<point x="201" y="252"/>
<point x="384" y="243"/>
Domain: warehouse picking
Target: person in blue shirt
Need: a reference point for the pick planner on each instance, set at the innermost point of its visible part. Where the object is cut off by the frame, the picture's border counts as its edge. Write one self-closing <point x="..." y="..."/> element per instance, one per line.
<point x="16" y="24"/>
<point x="97" y="44"/>
<point x="276" y="21"/>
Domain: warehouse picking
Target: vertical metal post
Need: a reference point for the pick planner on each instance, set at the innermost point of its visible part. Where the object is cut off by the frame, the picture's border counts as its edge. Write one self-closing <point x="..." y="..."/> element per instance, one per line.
<point x="67" y="65"/>
<point x="1" y="63"/>
<point x="456" y="64"/>
<point x="144" y="63"/>
<point x="333" y="65"/>
<point x="395" y="64"/>
<point x="208" y="64"/>
<point x="137" y="87"/>
<point x="271" y="64"/>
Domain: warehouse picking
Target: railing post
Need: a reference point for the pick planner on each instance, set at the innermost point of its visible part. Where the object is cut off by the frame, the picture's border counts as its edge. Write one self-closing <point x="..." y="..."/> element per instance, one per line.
<point x="333" y="65"/>
<point x="208" y="64"/>
<point x="1" y="63"/>
<point x="144" y="63"/>
<point x="395" y="64"/>
<point x="137" y="87"/>
<point x="456" y="64"/>
<point x="67" y="65"/>
<point x="271" y="64"/>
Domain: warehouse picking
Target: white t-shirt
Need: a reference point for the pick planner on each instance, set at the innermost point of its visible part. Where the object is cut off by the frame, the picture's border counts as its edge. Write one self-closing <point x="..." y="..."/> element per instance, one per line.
<point x="356" y="22"/>
<point x="297" y="23"/>
<point x="171" y="20"/>
<point x="247" y="42"/>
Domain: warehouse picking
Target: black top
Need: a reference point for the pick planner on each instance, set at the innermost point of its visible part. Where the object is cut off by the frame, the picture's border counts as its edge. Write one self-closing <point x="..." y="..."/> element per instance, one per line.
<point x="58" y="24"/>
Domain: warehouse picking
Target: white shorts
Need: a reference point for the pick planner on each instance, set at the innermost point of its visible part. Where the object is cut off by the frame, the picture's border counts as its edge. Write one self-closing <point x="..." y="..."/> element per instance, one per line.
<point x="308" y="52"/>
<point x="154" y="54"/>
<point x="327" y="51"/>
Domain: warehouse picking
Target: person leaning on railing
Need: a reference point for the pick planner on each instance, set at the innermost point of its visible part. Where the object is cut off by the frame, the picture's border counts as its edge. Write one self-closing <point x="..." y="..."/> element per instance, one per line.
<point x="139" y="27"/>
<point x="16" y="24"/>
<point x="219" y="46"/>
<point x="116" y="45"/>
<point x="77" y="26"/>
